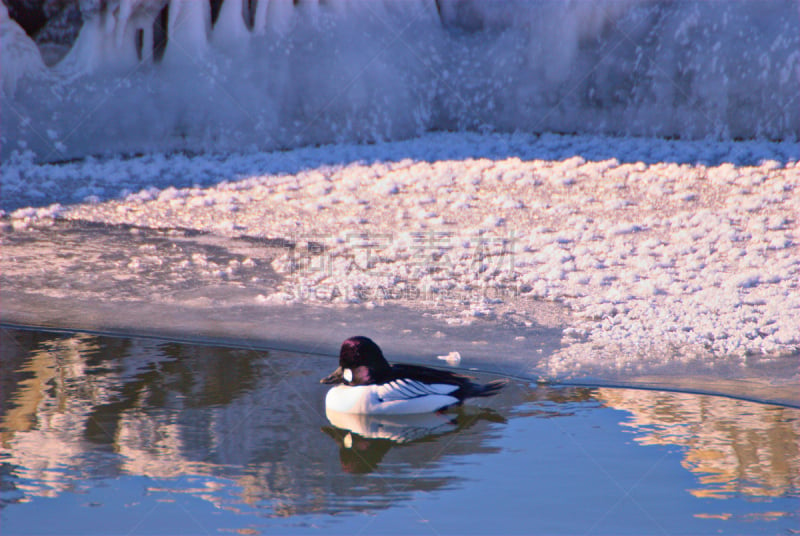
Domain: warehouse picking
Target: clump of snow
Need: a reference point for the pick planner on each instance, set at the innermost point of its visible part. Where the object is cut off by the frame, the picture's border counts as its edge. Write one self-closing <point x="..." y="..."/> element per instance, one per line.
<point x="24" y="217"/>
<point x="452" y="358"/>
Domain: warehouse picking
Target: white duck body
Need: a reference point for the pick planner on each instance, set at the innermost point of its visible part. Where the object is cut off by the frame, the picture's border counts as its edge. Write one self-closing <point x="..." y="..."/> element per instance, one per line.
<point x="398" y="397"/>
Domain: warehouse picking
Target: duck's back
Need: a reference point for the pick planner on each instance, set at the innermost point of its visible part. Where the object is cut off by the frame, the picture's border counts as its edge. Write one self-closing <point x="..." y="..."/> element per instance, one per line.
<point x="463" y="386"/>
<point x="402" y="396"/>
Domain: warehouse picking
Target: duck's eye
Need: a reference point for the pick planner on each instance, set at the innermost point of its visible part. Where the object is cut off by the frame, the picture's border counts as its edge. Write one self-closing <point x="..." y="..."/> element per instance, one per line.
<point x="347" y="375"/>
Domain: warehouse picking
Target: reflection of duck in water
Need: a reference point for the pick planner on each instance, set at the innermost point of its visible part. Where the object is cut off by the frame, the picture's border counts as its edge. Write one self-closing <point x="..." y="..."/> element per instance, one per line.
<point x="365" y="439"/>
<point x="365" y="383"/>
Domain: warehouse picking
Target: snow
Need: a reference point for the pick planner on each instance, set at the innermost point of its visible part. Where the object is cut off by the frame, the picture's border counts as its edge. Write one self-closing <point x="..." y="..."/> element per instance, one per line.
<point x="653" y="286"/>
<point x="373" y="70"/>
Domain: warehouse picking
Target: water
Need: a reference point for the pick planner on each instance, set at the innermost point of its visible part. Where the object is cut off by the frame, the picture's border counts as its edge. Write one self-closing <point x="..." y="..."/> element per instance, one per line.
<point x="105" y="435"/>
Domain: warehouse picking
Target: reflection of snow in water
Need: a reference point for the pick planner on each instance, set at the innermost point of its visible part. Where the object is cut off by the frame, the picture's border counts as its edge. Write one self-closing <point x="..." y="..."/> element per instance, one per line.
<point x="734" y="446"/>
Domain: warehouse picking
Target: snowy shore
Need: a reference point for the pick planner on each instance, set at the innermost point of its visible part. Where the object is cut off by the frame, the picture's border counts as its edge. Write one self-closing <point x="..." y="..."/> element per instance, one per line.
<point x="663" y="253"/>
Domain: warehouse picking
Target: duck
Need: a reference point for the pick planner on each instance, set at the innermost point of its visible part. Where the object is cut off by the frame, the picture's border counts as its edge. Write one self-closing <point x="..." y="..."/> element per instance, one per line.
<point x="366" y="384"/>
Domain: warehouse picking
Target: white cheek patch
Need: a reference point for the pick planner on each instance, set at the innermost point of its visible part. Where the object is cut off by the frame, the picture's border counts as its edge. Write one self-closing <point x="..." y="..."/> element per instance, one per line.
<point x="347" y="374"/>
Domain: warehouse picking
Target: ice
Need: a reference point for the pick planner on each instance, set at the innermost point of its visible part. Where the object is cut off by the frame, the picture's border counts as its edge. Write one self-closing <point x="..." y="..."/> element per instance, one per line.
<point x="230" y="30"/>
<point x="19" y="56"/>
<point x="189" y="27"/>
<point x="277" y="15"/>
<point x="108" y="39"/>
<point x="321" y="72"/>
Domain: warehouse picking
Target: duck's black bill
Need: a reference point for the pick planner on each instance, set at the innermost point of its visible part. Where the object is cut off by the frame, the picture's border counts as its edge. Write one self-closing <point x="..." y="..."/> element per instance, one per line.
<point x="334" y="377"/>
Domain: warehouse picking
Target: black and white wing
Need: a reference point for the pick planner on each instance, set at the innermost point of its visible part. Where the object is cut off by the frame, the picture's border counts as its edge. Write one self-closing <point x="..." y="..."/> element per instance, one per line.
<point x="407" y="389"/>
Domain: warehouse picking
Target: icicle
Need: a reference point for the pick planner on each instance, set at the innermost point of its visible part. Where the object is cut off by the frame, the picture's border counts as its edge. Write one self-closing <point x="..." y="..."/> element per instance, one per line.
<point x="107" y="39"/>
<point x="19" y="55"/>
<point x="87" y="52"/>
<point x="280" y="15"/>
<point x="310" y="10"/>
<point x="260" y="19"/>
<point x="125" y="9"/>
<point x="147" y="39"/>
<point x="122" y="25"/>
<point x="230" y="30"/>
<point x="188" y="29"/>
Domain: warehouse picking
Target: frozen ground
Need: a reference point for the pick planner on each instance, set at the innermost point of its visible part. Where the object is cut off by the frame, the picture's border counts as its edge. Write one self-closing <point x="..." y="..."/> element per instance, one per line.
<point x="650" y="258"/>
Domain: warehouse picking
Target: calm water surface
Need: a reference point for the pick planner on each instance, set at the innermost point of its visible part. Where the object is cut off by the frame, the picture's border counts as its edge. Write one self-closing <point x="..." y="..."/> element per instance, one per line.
<point x="102" y="435"/>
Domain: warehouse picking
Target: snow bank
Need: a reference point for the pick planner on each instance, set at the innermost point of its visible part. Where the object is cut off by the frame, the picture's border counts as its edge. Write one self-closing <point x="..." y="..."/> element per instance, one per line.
<point x="283" y="74"/>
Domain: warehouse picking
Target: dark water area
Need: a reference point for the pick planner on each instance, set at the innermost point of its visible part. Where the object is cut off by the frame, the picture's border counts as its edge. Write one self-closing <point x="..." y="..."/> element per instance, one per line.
<point x="105" y="435"/>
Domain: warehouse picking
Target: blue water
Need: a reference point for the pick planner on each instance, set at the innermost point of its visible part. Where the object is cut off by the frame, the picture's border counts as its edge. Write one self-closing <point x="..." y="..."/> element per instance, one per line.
<point x="108" y="435"/>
